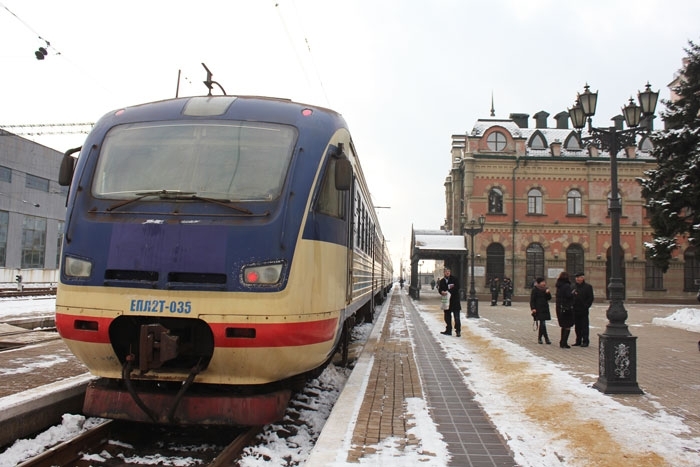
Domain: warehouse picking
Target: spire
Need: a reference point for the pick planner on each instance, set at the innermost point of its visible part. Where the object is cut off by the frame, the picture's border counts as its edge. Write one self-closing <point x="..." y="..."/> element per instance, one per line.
<point x="493" y="111"/>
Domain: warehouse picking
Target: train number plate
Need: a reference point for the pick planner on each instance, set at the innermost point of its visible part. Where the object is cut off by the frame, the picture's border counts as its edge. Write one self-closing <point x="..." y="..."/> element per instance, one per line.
<point x="160" y="306"/>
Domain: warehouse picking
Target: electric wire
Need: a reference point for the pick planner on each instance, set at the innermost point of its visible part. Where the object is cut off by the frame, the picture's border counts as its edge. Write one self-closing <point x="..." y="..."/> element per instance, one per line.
<point x="48" y="44"/>
<point x="313" y="58"/>
<point x="291" y="43"/>
<point x="308" y="47"/>
<point x="56" y="51"/>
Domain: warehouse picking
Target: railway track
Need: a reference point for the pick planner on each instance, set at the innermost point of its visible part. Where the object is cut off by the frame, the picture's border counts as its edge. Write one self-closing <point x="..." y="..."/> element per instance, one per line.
<point x="114" y="443"/>
<point x="27" y="292"/>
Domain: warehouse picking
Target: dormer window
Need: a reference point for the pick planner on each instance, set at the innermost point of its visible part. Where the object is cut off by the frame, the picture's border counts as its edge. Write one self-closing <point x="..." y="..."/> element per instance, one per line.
<point x="572" y="143"/>
<point x="538" y="142"/>
<point x="496" y="141"/>
<point x="646" y="145"/>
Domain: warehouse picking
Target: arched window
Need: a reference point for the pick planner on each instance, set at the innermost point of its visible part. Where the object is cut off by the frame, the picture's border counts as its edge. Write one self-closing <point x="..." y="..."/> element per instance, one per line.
<point x="496" y="201"/>
<point x="653" y="277"/>
<point x="691" y="270"/>
<point x="534" y="263"/>
<point x="495" y="262"/>
<point x="619" y="195"/>
<point x="496" y="141"/>
<point x="574" y="259"/>
<point x="534" y="201"/>
<point x="573" y="203"/>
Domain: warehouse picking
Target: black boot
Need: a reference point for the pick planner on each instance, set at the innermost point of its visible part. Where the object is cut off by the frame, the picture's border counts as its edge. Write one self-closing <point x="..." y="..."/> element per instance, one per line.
<point x="564" y="337"/>
<point x="577" y="341"/>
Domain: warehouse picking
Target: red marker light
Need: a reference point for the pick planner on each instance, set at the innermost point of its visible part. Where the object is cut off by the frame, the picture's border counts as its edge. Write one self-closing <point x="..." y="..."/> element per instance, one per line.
<point x="307" y="112"/>
<point x="252" y="277"/>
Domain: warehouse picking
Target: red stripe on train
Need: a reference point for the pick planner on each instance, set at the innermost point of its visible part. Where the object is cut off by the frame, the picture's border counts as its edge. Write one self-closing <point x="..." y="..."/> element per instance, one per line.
<point x="83" y="328"/>
<point x="227" y="335"/>
<point x="273" y="334"/>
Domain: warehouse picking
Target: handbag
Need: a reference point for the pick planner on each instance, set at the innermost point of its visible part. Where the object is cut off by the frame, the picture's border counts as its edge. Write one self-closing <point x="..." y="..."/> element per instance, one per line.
<point x="445" y="302"/>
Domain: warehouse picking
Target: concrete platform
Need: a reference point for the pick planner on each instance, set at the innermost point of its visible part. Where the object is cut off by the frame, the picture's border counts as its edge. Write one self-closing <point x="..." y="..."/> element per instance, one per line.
<point x="372" y="407"/>
<point x="38" y="384"/>
<point x="403" y="361"/>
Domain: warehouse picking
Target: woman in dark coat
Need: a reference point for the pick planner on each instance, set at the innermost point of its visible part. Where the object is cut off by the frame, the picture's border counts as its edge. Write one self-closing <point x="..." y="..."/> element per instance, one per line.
<point x="564" y="308"/>
<point x="539" y="307"/>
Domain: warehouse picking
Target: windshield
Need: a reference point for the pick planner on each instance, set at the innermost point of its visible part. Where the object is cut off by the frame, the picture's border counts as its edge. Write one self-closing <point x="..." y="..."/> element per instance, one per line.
<point x="236" y="161"/>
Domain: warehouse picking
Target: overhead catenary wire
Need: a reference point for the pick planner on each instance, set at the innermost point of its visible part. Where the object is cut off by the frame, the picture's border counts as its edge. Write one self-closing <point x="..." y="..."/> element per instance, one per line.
<point x="308" y="48"/>
<point x="48" y="44"/>
<point x="40" y="129"/>
<point x="42" y="52"/>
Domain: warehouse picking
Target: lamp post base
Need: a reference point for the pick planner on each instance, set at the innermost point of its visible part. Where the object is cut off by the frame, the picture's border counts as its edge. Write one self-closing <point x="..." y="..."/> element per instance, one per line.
<point x="617" y="365"/>
<point x="472" y="307"/>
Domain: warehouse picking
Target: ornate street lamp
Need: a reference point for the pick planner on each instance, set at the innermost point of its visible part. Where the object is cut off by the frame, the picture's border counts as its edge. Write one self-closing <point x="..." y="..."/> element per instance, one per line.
<point x="472" y="231"/>
<point x="617" y="348"/>
<point x="420" y="278"/>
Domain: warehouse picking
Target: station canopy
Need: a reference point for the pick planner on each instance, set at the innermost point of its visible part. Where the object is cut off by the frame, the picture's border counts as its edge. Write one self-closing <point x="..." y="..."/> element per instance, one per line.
<point x="437" y="244"/>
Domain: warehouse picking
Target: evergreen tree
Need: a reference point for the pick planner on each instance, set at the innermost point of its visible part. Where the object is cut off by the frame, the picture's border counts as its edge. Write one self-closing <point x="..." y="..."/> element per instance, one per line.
<point x="672" y="190"/>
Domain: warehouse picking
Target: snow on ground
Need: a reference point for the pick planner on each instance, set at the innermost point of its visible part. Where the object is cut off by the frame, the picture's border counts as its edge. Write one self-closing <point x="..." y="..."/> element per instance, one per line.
<point x="550" y="417"/>
<point x="685" y="318"/>
<point x="510" y="395"/>
<point x="15" y="308"/>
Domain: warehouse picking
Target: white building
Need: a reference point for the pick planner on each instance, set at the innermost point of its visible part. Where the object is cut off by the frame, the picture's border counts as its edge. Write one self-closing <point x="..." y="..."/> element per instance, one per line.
<point x="32" y="211"/>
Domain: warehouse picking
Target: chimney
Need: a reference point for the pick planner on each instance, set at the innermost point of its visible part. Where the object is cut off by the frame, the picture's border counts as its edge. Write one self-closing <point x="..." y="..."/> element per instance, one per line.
<point x="562" y="119"/>
<point x="541" y="119"/>
<point x="619" y="122"/>
<point x="555" y="147"/>
<point x="520" y="119"/>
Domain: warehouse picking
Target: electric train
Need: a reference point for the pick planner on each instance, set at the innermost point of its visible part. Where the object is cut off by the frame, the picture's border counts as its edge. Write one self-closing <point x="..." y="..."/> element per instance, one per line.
<point x="217" y="251"/>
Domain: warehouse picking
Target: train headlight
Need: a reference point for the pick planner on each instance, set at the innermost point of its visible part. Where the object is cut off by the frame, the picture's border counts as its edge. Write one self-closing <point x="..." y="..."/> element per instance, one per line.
<point x="75" y="267"/>
<point x="265" y="274"/>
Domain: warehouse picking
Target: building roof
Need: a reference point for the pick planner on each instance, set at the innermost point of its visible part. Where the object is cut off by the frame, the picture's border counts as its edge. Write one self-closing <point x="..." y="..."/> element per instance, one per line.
<point x="570" y="144"/>
<point x="444" y="242"/>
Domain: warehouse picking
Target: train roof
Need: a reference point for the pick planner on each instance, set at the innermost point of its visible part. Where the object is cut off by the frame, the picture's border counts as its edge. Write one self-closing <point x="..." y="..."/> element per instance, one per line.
<point x="247" y="108"/>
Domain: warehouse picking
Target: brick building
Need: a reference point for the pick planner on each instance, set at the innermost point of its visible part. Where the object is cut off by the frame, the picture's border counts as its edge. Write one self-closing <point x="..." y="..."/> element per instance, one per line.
<point x="545" y="199"/>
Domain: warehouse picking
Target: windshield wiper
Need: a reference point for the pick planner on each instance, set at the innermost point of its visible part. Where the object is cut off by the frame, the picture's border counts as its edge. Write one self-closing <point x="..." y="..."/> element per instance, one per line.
<point x="220" y="202"/>
<point x="147" y="194"/>
<point x="177" y="194"/>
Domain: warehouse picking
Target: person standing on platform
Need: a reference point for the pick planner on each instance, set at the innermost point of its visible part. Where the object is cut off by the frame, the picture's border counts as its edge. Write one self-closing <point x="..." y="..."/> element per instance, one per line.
<point x="539" y="307"/>
<point x="450" y="284"/>
<point x="507" y="292"/>
<point x="495" y="289"/>
<point x="583" y="299"/>
<point x="564" y="308"/>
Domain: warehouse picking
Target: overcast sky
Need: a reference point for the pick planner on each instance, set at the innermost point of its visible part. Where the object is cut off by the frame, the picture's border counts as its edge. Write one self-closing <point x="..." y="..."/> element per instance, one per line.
<point x="406" y="75"/>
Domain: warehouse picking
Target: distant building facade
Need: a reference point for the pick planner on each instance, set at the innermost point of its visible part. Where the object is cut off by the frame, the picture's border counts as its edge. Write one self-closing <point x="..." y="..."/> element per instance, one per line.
<point x="545" y="199"/>
<point x="32" y="211"/>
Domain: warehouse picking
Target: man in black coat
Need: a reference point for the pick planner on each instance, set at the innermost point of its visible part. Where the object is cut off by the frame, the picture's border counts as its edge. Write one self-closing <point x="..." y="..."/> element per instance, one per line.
<point x="450" y="284"/>
<point x="583" y="299"/>
<point x="495" y="288"/>
<point x="507" y="291"/>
